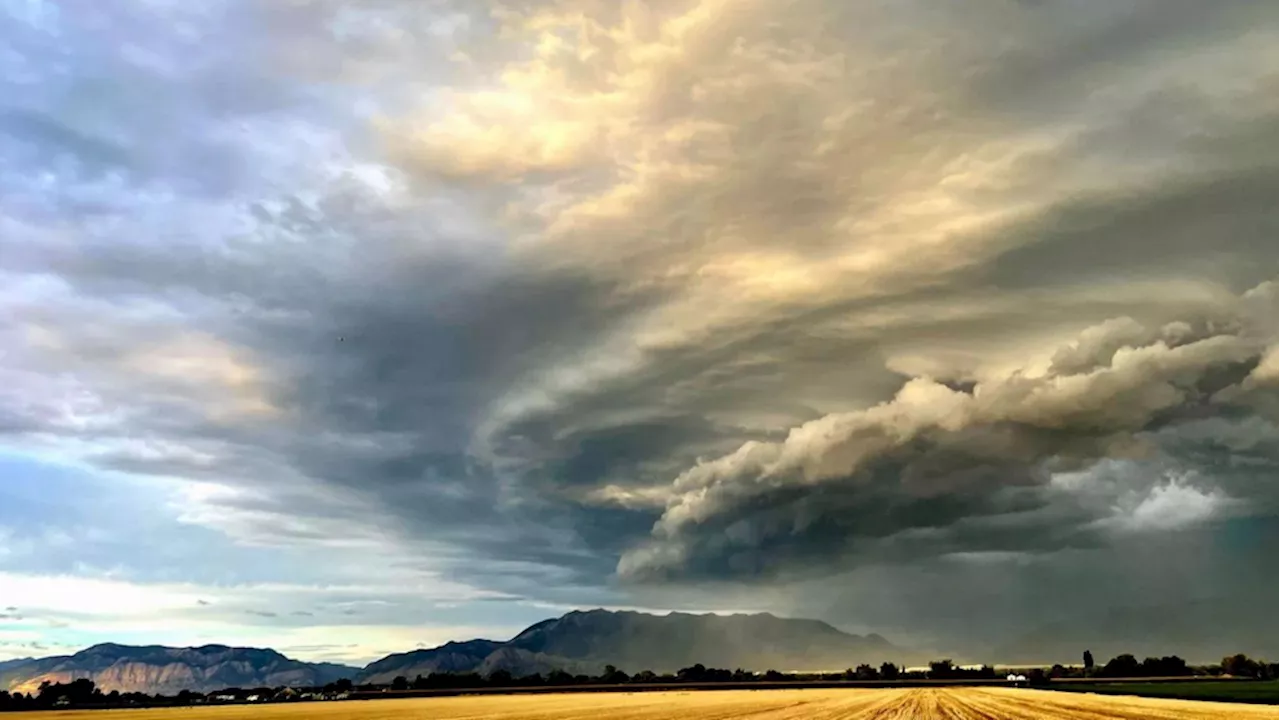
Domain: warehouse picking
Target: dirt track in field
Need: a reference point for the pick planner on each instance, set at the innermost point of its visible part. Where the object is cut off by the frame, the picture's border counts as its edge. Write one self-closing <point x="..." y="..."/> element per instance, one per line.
<point x="955" y="703"/>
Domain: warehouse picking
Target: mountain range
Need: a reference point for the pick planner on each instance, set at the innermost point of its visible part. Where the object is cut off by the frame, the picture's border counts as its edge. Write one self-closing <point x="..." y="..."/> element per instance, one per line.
<point x="156" y="669"/>
<point x="578" y="642"/>
<point x="586" y="641"/>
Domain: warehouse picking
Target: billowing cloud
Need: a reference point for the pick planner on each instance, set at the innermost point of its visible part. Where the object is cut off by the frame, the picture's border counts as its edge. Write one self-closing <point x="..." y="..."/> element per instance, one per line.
<point x="674" y="304"/>
<point x="935" y="464"/>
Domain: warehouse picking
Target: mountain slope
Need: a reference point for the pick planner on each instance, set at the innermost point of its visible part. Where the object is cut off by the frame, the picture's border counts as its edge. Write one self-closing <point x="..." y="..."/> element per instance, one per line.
<point x="587" y="641"/>
<point x="157" y="669"/>
<point x="452" y="657"/>
<point x="633" y="640"/>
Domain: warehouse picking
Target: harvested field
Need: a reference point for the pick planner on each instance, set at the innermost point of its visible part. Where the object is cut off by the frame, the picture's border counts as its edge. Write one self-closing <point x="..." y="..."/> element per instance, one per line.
<point x="952" y="703"/>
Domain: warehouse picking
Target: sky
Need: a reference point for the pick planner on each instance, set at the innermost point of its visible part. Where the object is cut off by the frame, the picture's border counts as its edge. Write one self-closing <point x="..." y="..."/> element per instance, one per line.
<point x="347" y="328"/>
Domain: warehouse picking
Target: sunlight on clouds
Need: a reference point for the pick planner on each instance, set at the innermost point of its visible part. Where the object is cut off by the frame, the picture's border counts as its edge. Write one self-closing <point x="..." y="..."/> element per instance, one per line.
<point x="1171" y="506"/>
<point x="191" y="370"/>
<point x="257" y="518"/>
<point x="679" y="187"/>
<point x="747" y="161"/>
<point x="93" y="596"/>
<point x="631" y="498"/>
<point x="1268" y="369"/>
<point x="231" y="384"/>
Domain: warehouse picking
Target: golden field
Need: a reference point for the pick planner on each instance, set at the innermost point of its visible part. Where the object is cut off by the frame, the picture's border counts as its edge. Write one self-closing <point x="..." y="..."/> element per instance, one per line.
<point x="953" y="703"/>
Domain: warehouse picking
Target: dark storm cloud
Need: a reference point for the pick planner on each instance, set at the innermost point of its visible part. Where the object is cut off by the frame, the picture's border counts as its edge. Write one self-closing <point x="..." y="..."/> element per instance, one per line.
<point x="938" y="470"/>
<point x="523" y="324"/>
<point x="1160" y="233"/>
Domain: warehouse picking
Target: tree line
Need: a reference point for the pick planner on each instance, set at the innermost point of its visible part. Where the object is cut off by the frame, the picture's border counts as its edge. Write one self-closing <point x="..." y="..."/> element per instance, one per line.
<point x="1128" y="666"/>
<point x="1121" y="666"/>
<point x="697" y="673"/>
<point x="84" y="693"/>
<point x="77" y="693"/>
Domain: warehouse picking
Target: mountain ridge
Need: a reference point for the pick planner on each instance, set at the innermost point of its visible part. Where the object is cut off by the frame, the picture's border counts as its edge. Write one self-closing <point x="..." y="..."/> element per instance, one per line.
<point x="584" y="641"/>
<point x="162" y="669"/>
<point x="578" y="642"/>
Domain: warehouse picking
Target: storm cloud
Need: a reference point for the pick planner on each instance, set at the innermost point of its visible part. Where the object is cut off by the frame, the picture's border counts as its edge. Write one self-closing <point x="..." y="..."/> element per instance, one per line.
<point x="680" y="304"/>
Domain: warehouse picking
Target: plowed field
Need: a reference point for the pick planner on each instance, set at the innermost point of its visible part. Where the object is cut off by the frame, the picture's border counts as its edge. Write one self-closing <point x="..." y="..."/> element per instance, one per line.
<point x="954" y="703"/>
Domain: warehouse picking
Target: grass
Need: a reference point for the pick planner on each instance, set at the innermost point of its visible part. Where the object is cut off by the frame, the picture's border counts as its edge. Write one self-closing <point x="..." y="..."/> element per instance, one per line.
<point x="923" y="703"/>
<point x="1241" y="691"/>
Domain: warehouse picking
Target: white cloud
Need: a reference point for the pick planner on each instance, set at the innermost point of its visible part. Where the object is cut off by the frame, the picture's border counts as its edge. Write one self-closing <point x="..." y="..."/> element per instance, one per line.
<point x="1172" y="505"/>
<point x="92" y="596"/>
<point x="1128" y="496"/>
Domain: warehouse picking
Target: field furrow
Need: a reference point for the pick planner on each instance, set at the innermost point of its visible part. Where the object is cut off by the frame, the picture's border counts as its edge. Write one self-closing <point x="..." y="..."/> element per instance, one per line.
<point x="953" y="703"/>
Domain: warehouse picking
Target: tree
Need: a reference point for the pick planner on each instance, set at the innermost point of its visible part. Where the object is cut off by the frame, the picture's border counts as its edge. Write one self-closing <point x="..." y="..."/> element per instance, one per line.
<point x="889" y="671"/>
<point x="866" y="672"/>
<point x="343" y="685"/>
<point x="613" y="676"/>
<point x="559" y="677"/>
<point x="1124" y="665"/>
<point x="1240" y="666"/>
<point x="1167" y="666"/>
<point x="400" y="683"/>
<point x="941" y="669"/>
<point x="76" y="692"/>
<point x="1088" y="661"/>
<point x="696" y="673"/>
